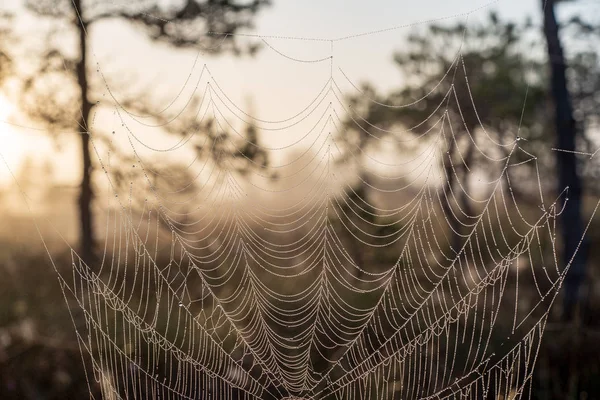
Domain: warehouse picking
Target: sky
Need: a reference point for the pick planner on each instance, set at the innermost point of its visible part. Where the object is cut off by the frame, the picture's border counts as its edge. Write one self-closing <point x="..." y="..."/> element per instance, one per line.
<point x="277" y="85"/>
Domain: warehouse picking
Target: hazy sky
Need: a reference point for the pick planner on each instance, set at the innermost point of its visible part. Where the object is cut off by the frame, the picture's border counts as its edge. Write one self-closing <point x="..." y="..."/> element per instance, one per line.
<point x="278" y="86"/>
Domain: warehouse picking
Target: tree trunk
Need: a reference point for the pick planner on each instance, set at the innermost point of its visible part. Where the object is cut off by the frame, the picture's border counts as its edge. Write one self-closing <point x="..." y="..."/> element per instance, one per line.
<point x="86" y="195"/>
<point x="572" y="224"/>
<point x="461" y="191"/>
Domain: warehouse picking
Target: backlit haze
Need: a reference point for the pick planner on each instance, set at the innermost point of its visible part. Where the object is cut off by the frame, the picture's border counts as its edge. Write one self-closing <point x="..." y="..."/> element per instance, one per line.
<point x="274" y="86"/>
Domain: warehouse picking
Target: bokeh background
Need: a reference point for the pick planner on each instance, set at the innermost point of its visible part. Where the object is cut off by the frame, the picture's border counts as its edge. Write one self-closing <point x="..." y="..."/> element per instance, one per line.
<point x="55" y="73"/>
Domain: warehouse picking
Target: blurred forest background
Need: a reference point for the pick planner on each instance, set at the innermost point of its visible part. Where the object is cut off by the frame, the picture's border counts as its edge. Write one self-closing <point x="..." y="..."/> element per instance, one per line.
<point x="56" y="87"/>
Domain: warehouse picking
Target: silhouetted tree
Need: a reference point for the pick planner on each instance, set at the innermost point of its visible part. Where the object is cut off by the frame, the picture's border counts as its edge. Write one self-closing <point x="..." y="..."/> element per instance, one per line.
<point x="444" y="67"/>
<point x="568" y="176"/>
<point x="179" y="24"/>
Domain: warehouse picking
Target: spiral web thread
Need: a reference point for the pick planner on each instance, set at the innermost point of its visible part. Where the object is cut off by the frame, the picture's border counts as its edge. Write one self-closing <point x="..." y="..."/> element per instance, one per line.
<point x="207" y="290"/>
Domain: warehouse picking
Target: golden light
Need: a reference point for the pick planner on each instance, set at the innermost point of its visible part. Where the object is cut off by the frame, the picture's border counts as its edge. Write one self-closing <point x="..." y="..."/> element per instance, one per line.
<point x="13" y="143"/>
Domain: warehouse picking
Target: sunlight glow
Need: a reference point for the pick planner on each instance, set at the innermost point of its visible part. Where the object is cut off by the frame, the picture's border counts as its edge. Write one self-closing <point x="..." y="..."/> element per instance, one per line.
<point x="13" y="145"/>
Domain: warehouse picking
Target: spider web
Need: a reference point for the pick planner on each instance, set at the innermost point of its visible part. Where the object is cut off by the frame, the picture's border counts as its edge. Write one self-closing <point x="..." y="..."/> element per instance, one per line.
<point x="223" y="282"/>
